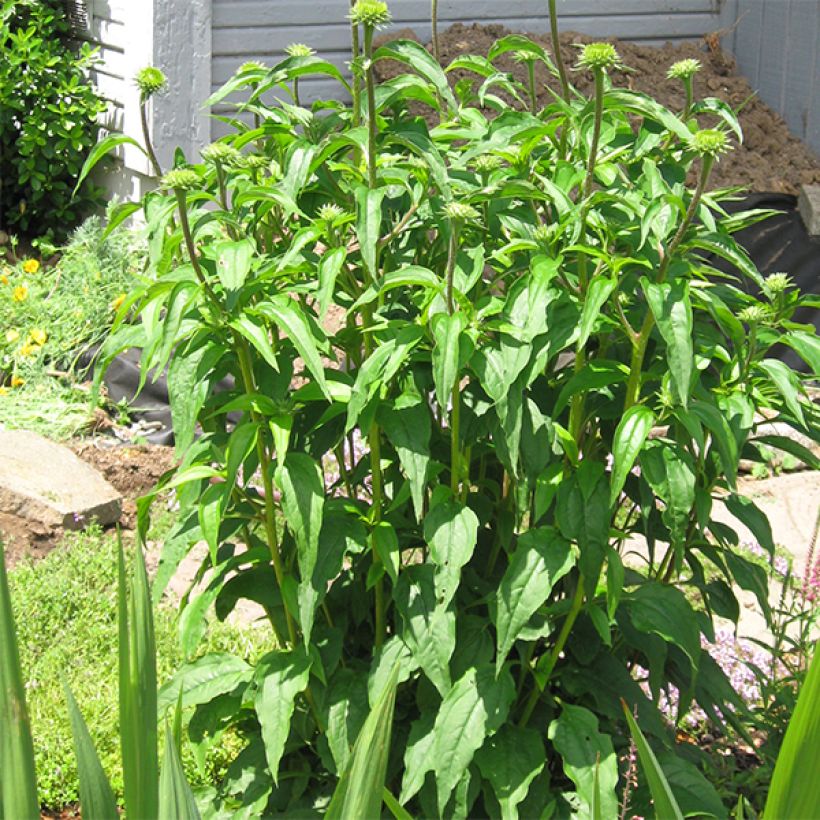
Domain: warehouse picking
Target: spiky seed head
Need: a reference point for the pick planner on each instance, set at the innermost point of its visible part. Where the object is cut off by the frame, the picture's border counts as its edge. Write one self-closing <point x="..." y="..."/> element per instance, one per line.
<point x="683" y="69"/>
<point x="220" y="153"/>
<point x="181" y="179"/>
<point x="150" y="80"/>
<point x="777" y="283"/>
<point x="709" y="142"/>
<point x="251" y="65"/>
<point x="460" y="211"/>
<point x="370" y="13"/>
<point x="599" y="57"/>
<point x="256" y="161"/>
<point x="330" y="212"/>
<point x="523" y="56"/>
<point x="752" y="315"/>
<point x="299" y="50"/>
<point x="486" y="163"/>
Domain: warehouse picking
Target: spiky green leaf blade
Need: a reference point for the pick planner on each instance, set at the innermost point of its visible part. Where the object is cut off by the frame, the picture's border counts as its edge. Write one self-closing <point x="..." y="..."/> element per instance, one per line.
<point x="793" y="791"/>
<point x="665" y="804"/>
<point x="541" y="558"/>
<point x="96" y="797"/>
<point x="360" y="790"/>
<point x="176" y="800"/>
<point x="18" y="781"/>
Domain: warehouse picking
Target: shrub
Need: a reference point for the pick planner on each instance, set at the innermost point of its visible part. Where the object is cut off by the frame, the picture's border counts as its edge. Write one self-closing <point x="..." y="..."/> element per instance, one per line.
<point x="48" y="119"/>
<point x="535" y="366"/>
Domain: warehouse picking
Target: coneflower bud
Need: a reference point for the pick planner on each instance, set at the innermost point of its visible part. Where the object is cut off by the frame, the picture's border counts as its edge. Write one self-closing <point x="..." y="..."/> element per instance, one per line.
<point x="486" y="163"/>
<point x="150" y="81"/>
<point x="709" y="142"/>
<point x="752" y="315"/>
<point x="522" y="56"/>
<point x="330" y="212"/>
<point x="221" y="153"/>
<point x="776" y="283"/>
<point x="181" y="179"/>
<point x="683" y="69"/>
<point x="299" y="50"/>
<point x="460" y="211"/>
<point x="370" y="13"/>
<point x="599" y="57"/>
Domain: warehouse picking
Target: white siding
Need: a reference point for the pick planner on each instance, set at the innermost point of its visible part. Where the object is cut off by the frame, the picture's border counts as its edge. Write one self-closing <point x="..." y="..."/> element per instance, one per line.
<point x="261" y="29"/>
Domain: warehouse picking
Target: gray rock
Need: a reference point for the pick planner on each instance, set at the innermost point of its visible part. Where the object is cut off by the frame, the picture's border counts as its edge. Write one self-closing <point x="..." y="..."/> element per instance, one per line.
<point x="45" y="482"/>
<point x="808" y="203"/>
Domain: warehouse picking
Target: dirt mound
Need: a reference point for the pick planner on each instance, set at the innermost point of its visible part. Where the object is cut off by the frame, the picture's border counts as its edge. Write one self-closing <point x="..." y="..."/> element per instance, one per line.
<point x="771" y="158"/>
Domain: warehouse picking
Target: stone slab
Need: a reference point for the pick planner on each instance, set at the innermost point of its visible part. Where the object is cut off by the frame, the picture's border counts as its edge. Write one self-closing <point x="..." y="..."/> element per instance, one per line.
<point x="43" y="481"/>
<point x="808" y="204"/>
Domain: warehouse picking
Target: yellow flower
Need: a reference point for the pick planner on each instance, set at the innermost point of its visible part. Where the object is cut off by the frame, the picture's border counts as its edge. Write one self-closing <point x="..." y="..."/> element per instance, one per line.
<point x="16" y="381"/>
<point x="27" y="349"/>
<point x="4" y="276"/>
<point x="12" y="336"/>
<point x="117" y="303"/>
<point x="20" y="293"/>
<point x="38" y="336"/>
<point x="31" y="266"/>
<point x="3" y="391"/>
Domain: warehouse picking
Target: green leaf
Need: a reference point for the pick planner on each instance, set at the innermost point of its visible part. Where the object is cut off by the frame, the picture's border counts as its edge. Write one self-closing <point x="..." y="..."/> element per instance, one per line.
<point x="386" y="545"/>
<point x="96" y="798"/>
<point x="296" y="327"/>
<point x="18" y="781"/>
<point x="368" y="226"/>
<point x="540" y="560"/>
<point x="347" y="709"/>
<point x="662" y="797"/>
<point x="418" y="59"/>
<point x="793" y="790"/>
<point x="204" y="679"/>
<point x="727" y="248"/>
<point x="283" y="675"/>
<point x="103" y="147"/>
<point x="451" y="531"/>
<point x="694" y="794"/>
<point x="447" y="354"/>
<point x="630" y="436"/>
<point x="303" y="497"/>
<point x="407" y="427"/>
<point x="806" y="345"/>
<point x="187" y="391"/>
<point x="359" y="791"/>
<point x="417" y="755"/>
<point x="598" y="292"/>
<point x="672" y="310"/>
<point x="723" y="437"/>
<point x="670" y="472"/>
<point x="748" y="513"/>
<point x="474" y="708"/>
<point x="329" y="267"/>
<point x="787" y="383"/>
<point x="258" y="335"/>
<point x="176" y="800"/>
<point x="429" y="629"/>
<point x="642" y="104"/>
<point x="588" y="757"/>
<point x="233" y="262"/>
<point x="510" y="760"/>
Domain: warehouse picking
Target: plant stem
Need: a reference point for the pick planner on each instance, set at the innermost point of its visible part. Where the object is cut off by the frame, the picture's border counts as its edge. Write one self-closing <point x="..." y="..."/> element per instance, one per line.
<point x="434" y="23"/>
<point x="633" y="385"/>
<point x="370" y="83"/>
<point x="531" y="77"/>
<point x="596" y="133"/>
<point x="146" y="138"/>
<point x="556" y="49"/>
<point x="569" y="622"/>
<point x="455" y="398"/>
<point x="356" y="91"/>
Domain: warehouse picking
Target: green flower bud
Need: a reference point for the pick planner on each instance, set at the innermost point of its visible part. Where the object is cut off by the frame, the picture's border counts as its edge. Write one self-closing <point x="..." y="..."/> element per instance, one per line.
<point x="524" y="57"/>
<point x="544" y="234"/>
<point x="460" y="211"/>
<point x="370" y="13"/>
<point x="181" y="179"/>
<point x="599" y="57"/>
<point x="683" y="69"/>
<point x="330" y="212"/>
<point x="150" y="81"/>
<point x="251" y="65"/>
<point x="221" y="153"/>
<point x="708" y="142"/>
<point x="299" y="50"/>
<point x="486" y="163"/>
<point x="256" y="161"/>
<point x="752" y="315"/>
<point x="777" y="283"/>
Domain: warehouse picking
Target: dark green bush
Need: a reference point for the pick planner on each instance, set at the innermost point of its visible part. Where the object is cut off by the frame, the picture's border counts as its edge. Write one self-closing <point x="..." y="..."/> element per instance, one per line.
<point x="48" y="119"/>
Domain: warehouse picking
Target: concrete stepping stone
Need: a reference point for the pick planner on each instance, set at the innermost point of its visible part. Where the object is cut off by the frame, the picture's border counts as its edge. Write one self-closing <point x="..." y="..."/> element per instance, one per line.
<point x="45" y="482"/>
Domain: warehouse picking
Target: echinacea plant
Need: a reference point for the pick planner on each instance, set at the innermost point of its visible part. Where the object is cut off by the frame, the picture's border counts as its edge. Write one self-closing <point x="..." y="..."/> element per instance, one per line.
<point x="472" y="364"/>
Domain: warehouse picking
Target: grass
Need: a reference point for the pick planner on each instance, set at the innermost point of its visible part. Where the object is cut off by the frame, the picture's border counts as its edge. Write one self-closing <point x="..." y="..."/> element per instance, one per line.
<point x="50" y="315"/>
<point x="65" y="607"/>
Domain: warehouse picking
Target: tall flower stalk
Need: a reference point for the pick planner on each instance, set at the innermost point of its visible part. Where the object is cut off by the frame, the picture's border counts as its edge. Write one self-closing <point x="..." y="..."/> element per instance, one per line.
<point x="150" y="81"/>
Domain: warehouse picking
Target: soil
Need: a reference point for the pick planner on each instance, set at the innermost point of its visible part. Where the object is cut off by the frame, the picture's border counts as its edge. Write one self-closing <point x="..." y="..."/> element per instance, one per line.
<point x="771" y="158"/>
<point x="133" y="470"/>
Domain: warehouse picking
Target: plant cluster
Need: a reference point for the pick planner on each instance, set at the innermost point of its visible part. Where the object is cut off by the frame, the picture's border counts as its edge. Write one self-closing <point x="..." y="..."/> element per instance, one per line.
<point x="48" y="119"/>
<point x="472" y="363"/>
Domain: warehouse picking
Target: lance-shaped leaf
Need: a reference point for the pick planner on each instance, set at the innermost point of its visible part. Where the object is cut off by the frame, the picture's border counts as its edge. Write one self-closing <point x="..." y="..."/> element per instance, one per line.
<point x="329" y="267"/>
<point x="368" y="226"/>
<point x="630" y="436"/>
<point x="449" y="353"/>
<point x="671" y="473"/>
<point x="283" y="676"/>
<point x="204" y="679"/>
<point x="18" y="782"/>
<point x="672" y="310"/>
<point x="474" y="708"/>
<point x="418" y="755"/>
<point x="588" y="757"/>
<point x="233" y="262"/>
<point x="418" y="58"/>
<point x="359" y="792"/>
<point x="598" y="292"/>
<point x="96" y="797"/>
<point x="176" y="800"/>
<point x="407" y="427"/>
<point x="303" y="497"/>
<point x="511" y="759"/>
<point x="541" y="558"/>
<point x="346" y="710"/>
<point x="788" y="385"/>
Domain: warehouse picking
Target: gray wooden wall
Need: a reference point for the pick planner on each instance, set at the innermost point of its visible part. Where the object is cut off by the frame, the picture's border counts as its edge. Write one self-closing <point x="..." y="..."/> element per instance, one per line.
<point x="777" y="47"/>
<point x="260" y="29"/>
